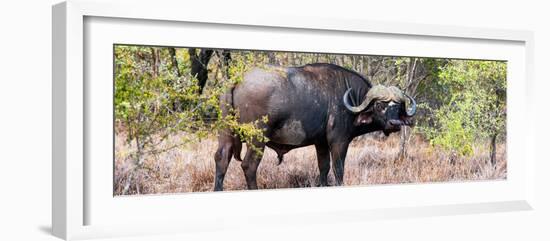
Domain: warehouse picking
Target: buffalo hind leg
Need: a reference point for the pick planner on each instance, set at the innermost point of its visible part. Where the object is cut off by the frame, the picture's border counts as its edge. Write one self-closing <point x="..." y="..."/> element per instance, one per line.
<point x="251" y="162"/>
<point x="338" y="153"/>
<point x="222" y="158"/>
<point x="323" y="161"/>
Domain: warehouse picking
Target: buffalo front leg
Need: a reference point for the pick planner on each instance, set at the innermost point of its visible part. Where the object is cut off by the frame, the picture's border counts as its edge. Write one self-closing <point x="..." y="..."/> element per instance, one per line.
<point x="323" y="161"/>
<point x="251" y="162"/>
<point x="338" y="153"/>
<point x="222" y="158"/>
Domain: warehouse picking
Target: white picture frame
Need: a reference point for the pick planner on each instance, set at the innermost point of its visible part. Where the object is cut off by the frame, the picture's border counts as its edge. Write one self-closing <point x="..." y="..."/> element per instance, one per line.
<point x="72" y="193"/>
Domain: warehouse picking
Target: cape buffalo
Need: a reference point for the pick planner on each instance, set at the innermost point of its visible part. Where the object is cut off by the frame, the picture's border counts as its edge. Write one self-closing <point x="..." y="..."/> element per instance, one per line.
<point x="315" y="104"/>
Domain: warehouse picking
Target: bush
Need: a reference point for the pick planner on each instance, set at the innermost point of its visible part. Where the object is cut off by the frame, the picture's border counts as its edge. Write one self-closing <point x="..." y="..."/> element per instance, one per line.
<point x="474" y="107"/>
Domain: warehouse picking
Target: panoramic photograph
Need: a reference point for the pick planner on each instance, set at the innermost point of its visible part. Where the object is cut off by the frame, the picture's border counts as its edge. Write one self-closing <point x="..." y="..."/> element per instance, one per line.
<point x="192" y="119"/>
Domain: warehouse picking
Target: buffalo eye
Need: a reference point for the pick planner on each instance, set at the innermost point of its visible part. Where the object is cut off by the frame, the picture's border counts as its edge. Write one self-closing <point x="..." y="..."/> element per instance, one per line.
<point x="379" y="106"/>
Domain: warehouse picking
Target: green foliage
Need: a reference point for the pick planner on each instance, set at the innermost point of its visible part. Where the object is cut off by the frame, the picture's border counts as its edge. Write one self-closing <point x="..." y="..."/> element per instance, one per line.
<point x="472" y="104"/>
<point x="239" y="66"/>
<point x="144" y="100"/>
<point x="454" y="130"/>
<point x="150" y="106"/>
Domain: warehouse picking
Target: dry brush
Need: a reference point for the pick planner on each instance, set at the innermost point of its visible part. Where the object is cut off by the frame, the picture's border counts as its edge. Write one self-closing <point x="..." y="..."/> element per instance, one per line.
<point x="371" y="159"/>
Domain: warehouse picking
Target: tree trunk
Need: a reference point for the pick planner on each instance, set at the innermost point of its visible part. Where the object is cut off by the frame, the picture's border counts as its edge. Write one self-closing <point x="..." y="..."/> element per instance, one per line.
<point x="405" y="130"/>
<point x="493" y="154"/>
<point x="175" y="66"/>
<point x="404" y="139"/>
<point x="176" y="104"/>
<point x="340" y="60"/>
<point x="138" y="161"/>
<point x="199" y="65"/>
<point x="225" y="58"/>
<point x="493" y="149"/>
<point x="271" y="58"/>
<point x="362" y="65"/>
<point x="155" y="54"/>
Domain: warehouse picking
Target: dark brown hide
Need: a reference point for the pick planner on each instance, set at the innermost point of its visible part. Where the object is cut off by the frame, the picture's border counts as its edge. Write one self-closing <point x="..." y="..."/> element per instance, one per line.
<point x="304" y="107"/>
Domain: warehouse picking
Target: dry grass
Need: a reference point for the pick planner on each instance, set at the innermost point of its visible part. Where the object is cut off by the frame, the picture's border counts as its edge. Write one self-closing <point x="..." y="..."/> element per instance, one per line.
<point x="371" y="160"/>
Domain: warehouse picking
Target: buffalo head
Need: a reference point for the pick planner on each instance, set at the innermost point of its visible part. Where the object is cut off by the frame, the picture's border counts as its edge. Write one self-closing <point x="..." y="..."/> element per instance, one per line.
<point x="384" y="108"/>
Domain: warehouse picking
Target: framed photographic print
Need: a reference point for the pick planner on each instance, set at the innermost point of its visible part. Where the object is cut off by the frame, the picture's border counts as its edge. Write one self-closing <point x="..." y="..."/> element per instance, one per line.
<point x="160" y="117"/>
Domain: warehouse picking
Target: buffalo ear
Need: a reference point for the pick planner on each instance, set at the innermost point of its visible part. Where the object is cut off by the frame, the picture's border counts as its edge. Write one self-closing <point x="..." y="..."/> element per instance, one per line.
<point x="364" y="118"/>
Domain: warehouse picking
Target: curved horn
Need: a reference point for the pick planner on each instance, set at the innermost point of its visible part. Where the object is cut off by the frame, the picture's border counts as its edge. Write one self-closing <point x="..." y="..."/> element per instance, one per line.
<point x="354" y="109"/>
<point x="412" y="110"/>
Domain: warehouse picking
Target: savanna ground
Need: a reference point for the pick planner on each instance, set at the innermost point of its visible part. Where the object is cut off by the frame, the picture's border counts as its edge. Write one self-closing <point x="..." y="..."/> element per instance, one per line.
<point x="371" y="160"/>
